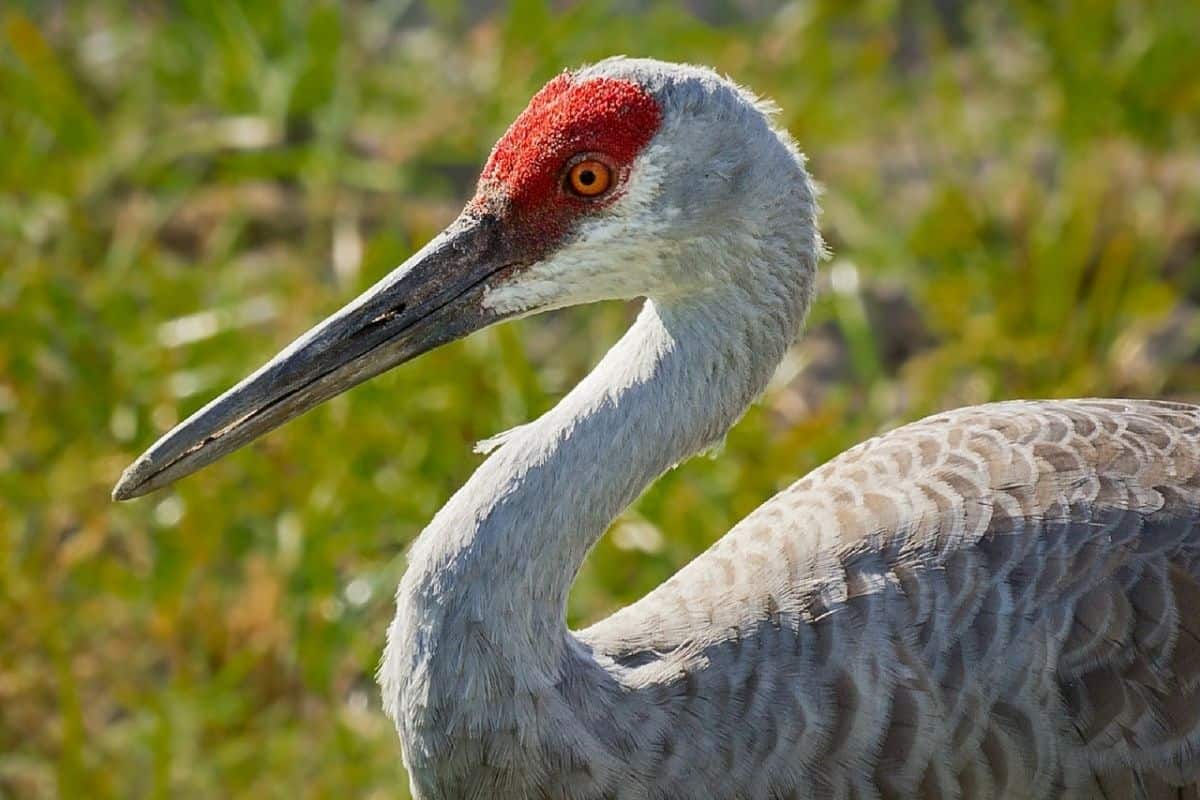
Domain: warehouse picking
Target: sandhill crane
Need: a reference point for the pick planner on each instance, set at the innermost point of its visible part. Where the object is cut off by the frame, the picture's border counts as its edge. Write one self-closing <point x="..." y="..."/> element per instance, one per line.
<point x="996" y="602"/>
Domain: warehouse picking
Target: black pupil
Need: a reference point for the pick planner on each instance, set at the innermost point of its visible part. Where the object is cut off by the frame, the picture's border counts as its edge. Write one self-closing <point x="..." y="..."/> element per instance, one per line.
<point x="587" y="177"/>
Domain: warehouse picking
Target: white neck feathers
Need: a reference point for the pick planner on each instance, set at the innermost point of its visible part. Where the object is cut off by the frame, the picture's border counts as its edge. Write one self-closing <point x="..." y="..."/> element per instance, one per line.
<point x="483" y="601"/>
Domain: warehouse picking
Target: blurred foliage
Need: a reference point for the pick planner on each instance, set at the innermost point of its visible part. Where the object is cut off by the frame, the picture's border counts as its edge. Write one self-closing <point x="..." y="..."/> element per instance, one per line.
<point x="1012" y="202"/>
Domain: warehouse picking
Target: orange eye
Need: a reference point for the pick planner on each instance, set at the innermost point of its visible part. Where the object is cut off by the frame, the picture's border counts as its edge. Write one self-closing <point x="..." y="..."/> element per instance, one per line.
<point x="589" y="178"/>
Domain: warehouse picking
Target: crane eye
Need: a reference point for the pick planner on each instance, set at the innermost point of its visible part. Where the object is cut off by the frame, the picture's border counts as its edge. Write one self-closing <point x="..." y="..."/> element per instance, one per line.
<point x="589" y="178"/>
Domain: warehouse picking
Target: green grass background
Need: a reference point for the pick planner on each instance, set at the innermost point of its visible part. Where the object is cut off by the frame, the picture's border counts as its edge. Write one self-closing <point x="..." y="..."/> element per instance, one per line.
<point x="1012" y="200"/>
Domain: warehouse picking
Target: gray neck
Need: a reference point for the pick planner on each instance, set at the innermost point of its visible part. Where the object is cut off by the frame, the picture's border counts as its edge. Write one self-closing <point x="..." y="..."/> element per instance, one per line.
<point x="481" y="609"/>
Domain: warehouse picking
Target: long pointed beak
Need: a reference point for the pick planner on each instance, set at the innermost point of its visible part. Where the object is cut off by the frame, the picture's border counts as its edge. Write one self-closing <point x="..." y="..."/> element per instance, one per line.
<point x="433" y="298"/>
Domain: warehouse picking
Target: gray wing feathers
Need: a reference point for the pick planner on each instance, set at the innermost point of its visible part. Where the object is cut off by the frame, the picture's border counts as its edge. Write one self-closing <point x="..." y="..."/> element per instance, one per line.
<point x="1000" y="601"/>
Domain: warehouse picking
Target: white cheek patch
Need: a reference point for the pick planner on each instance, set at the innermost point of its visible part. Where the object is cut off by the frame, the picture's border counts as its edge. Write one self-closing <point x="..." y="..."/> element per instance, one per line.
<point x="616" y="256"/>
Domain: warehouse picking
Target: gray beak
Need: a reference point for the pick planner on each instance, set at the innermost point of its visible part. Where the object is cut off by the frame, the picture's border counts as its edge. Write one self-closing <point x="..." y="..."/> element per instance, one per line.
<point x="433" y="298"/>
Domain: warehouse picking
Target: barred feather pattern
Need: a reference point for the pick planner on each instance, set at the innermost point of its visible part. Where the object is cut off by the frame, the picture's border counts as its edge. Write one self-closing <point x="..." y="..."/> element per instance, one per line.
<point x="1001" y="601"/>
<point x="996" y="602"/>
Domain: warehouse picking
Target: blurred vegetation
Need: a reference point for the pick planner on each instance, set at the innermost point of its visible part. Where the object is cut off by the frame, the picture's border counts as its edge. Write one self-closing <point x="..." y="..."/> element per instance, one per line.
<point x="1012" y="201"/>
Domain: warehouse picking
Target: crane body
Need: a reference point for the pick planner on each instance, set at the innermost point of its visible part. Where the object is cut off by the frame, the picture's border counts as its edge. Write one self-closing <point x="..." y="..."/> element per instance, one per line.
<point x="1001" y="601"/>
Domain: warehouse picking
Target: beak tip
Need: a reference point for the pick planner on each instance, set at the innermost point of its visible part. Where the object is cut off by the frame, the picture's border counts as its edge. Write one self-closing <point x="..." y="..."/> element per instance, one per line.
<point x="131" y="484"/>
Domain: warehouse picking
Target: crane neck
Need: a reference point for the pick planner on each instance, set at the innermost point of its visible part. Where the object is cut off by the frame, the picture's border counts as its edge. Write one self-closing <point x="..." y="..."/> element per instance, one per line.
<point x="480" y="638"/>
<point x="488" y="579"/>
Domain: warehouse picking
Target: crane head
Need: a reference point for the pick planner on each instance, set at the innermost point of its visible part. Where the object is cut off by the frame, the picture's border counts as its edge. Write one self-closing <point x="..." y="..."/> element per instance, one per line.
<point x="593" y="193"/>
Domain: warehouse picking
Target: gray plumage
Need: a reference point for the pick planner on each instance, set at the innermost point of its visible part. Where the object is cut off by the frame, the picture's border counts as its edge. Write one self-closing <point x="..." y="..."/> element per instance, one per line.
<point x="995" y="602"/>
<point x="998" y="602"/>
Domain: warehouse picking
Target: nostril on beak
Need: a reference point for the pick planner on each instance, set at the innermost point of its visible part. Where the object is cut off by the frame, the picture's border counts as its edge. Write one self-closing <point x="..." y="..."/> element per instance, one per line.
<point x="381" y="319"/>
